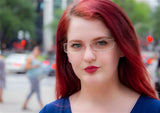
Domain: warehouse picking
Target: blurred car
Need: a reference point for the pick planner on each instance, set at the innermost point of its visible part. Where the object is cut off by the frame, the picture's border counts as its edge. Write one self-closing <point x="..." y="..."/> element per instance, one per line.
<point x="147" y="57"/>
<point x="16" y="62"/>
<point x="150" y="61"/>
<point x="50" y="65"/>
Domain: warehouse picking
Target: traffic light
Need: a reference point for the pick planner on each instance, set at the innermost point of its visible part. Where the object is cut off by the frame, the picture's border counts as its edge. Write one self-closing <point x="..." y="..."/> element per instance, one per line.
<point x="149" y="39"/>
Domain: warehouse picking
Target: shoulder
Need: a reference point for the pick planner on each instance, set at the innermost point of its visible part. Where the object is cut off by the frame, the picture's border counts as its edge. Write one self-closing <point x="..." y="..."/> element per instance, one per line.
<point x="57" y="106"/>
<point x="147" y="104"/>
<point x="148" y="101"/>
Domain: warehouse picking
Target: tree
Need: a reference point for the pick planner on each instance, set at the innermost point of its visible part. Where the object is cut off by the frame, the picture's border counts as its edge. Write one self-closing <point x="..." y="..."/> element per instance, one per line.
<point x="57" y="15"/>
<point x="16" y="15"/>
<point x="139" y="13"/>
<point x="156" y="23"/>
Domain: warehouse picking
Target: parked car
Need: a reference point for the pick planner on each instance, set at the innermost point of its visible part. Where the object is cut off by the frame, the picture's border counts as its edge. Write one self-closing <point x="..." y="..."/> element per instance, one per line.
<point x="147" y="57"/>
<point x="50" y="65"/>
<point x="16" y="62"/>
<point x="150" y="61"/>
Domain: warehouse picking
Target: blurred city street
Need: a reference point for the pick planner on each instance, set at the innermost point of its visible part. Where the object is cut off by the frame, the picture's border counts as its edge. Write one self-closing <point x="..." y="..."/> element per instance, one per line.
<point x="20" y="32"/>
<point x="17" y="88"/>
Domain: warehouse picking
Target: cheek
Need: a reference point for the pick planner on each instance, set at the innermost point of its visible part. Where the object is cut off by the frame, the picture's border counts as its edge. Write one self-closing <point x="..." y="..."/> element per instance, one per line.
<point x="75" y="61"/>
<point x="110" y="60"/>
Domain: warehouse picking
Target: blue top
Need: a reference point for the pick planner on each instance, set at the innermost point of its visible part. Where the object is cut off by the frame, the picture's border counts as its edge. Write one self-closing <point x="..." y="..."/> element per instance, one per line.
<point x="34" y="71"/>
<point x="144" y="104"/>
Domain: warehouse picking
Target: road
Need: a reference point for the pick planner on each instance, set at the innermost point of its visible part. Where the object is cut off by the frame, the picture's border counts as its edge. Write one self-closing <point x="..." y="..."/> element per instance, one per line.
<point x="17" y="88"/>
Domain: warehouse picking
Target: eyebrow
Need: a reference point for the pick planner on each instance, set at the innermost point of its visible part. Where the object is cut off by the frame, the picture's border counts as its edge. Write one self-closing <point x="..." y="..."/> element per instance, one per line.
<point x="102" y="37"/>
<point x="75" y="41"/>
<point x="97" y="38"/>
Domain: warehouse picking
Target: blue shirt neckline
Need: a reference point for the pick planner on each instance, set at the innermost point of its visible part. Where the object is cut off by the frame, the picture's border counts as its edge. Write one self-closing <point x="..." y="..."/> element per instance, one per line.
<point x="132" y="111"/>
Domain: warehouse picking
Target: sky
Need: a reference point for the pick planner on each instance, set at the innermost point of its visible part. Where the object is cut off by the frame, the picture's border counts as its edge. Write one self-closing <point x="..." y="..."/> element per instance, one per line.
<point x="152" y="3"/>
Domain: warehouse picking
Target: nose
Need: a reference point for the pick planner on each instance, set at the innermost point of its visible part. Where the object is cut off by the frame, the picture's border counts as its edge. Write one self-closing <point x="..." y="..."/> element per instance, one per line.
<point x="89" y="55"/>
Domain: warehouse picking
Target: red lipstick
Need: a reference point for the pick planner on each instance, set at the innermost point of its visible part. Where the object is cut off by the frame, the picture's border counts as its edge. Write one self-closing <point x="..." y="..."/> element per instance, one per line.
<point x="91" y="69"/>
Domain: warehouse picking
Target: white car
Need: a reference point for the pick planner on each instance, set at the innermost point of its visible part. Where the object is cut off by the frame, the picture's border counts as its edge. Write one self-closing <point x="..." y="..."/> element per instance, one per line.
<point x="16" y="63"/>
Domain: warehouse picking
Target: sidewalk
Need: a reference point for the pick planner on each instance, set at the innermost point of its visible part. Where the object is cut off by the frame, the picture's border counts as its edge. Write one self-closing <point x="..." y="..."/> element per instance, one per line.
<point x="16" y="90"/>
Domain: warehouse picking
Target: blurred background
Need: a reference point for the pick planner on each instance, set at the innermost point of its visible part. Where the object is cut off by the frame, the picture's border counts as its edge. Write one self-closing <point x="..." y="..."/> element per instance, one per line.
<point x="26" y="23"/>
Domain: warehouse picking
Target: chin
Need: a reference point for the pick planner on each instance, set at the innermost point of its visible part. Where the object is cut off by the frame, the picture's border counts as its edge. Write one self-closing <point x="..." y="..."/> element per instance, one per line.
<point x="92" y="80"/>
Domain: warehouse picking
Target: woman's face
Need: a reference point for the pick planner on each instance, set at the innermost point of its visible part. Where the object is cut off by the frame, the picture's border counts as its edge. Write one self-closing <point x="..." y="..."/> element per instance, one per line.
<point x="36" y="51"/>
<point x="92" y="51"/>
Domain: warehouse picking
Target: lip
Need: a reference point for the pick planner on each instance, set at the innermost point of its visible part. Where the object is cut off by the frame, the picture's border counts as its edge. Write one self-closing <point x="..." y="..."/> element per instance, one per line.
<point x="91" y="69"/>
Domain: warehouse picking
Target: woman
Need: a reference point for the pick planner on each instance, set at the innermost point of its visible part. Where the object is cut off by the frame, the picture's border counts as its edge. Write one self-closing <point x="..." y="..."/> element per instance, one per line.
<point x="2" y="77"/>
<point x="33" y="71"/>
<point x="99" y="66"/>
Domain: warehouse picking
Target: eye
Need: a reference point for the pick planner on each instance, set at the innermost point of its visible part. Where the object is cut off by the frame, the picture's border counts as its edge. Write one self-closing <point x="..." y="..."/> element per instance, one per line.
<point x="102" y="43"/>
<point x="76" y="45"/>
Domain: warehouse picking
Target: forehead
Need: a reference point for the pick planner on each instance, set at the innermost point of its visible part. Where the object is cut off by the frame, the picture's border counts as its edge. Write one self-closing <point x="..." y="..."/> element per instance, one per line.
<point x="86" y="29"/>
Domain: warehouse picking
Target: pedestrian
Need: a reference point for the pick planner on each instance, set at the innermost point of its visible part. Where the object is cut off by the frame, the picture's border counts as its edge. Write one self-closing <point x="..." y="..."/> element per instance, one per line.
<point x="99" y="65"/>
<point x="33" y="72"/>
<point x="2" y="77"/>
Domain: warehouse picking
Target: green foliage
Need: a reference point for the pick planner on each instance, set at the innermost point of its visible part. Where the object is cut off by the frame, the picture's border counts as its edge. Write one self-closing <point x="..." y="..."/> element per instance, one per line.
<point x="42" y="57"/>
<point x="156" y="23"/>
<point x="16" y="15"/>
<point x="139" y="14"/>
<point x="57" y="15"/>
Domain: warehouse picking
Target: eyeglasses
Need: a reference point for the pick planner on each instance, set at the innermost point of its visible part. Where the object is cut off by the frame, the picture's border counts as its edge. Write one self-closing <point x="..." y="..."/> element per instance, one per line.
<point x="99" y="45"/>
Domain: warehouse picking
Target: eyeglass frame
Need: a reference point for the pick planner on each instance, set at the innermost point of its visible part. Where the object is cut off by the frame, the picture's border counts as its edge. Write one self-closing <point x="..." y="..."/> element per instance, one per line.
<point x="112" y="39"/>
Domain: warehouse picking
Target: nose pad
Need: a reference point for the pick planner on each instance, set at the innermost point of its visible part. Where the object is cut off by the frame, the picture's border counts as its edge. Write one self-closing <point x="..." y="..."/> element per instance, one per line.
<point x="89" y="54"/>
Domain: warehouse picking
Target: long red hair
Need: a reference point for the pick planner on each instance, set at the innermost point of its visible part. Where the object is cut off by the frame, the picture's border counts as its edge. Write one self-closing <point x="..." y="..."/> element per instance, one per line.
<point x="132" y="72"/>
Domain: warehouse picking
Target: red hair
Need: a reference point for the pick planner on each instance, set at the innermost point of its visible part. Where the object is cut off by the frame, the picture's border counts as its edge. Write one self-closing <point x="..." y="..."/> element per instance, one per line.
<point x="132" y="72"/>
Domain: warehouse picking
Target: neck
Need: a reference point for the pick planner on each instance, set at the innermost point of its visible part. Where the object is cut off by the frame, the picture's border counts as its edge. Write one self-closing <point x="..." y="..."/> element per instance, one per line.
<point x="96" y="92"/>
<point x="101" y="96"/>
